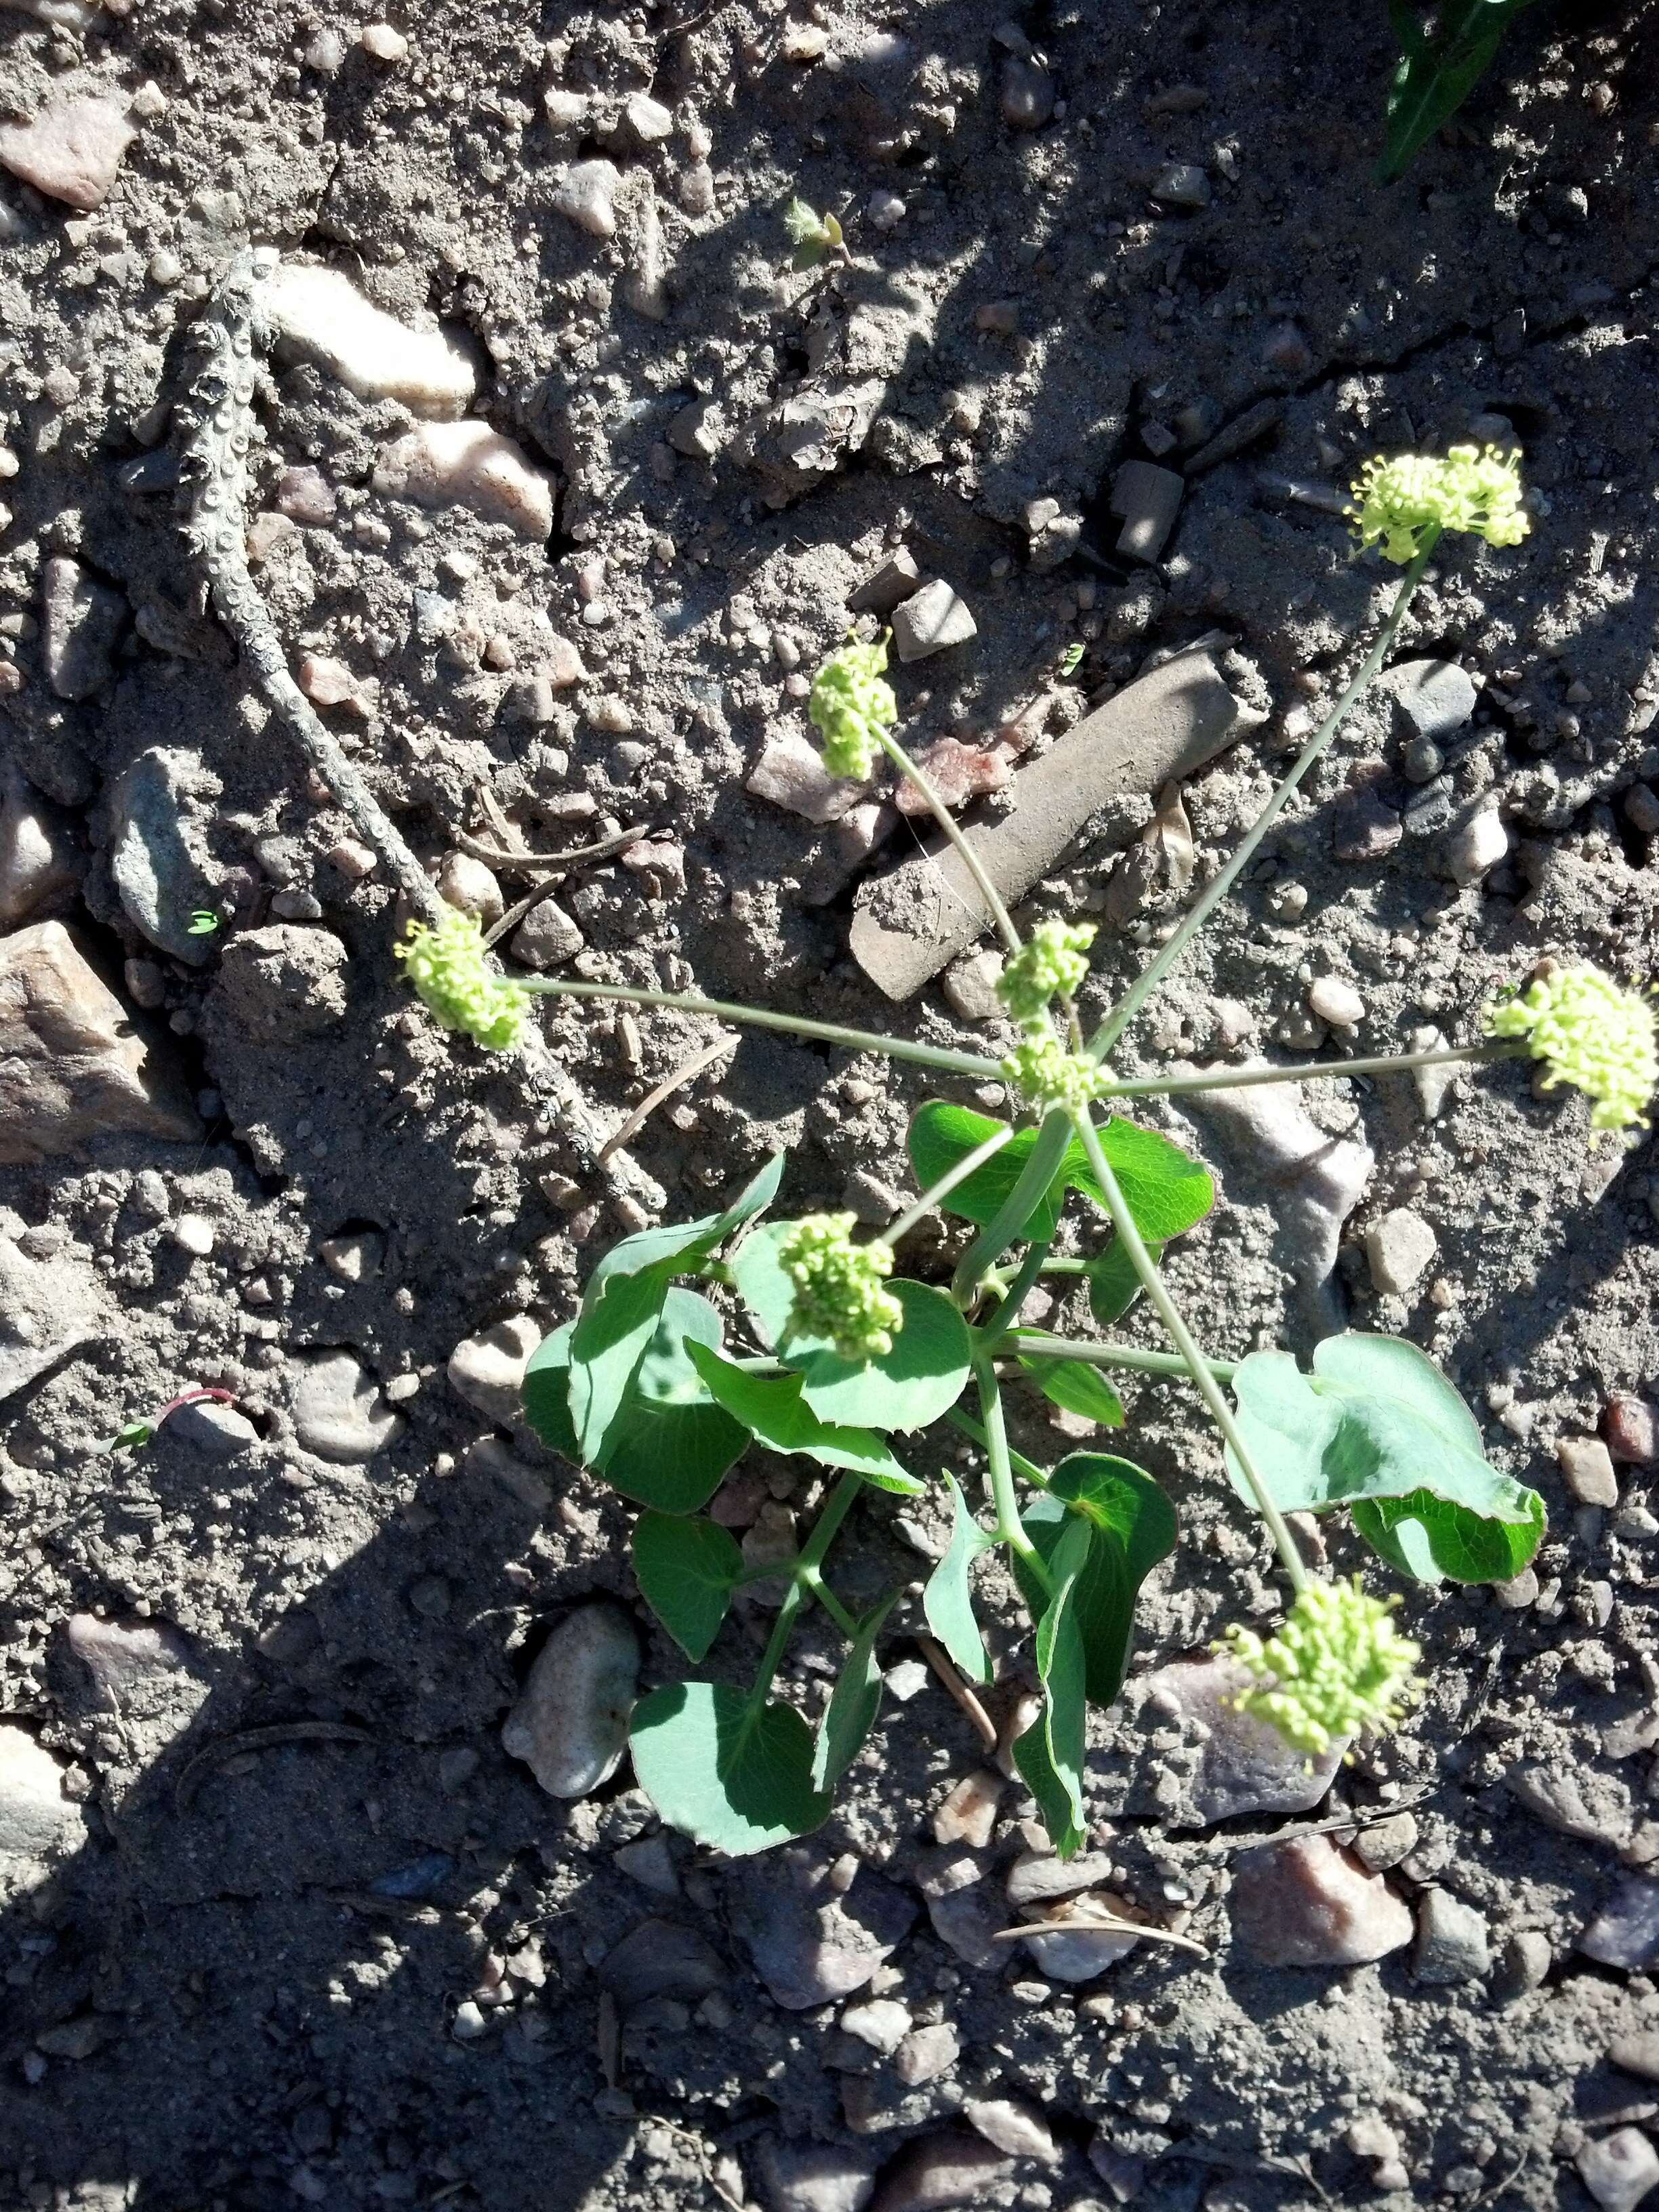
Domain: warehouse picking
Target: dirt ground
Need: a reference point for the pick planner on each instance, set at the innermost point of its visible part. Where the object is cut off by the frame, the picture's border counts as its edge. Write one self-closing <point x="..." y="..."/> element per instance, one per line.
<point x="308" y="1931"/>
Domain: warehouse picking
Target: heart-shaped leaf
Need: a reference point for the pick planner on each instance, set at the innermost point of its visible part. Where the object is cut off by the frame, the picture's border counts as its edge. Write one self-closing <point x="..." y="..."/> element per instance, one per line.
<point x="545" y="1391"/>
<point x="1166" y="1190"/>
<point x="687" y="1570"/>
<point x="908" y="1388"/>
<point x="948" y="1598"/>
<point x="1078" y="1388"/>
<point x="853" y="1702"/>
<point x="1427" y="1538"/>
<point x="1134" y="1526"/>
<point x="771" y="1407"/>
<point x="1050" y="1753"/>
<point x="941" y="1134"/>
<point x="733" y="1774"/>
<point x="1114" y="1286"/>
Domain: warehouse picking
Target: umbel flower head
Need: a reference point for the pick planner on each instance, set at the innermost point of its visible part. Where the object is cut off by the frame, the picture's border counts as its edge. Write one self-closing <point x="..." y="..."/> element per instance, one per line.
<point x="1052" y="962"/>
<point x="1398" y="500"/>
<point x="1337" y="1665"/>
<point x="452" y="978"/>
<point x="1046" y="1075"/>
<point x="1590" y="1033"/>
<point x="838" y="1291"/>
<point x="853" y="707"/>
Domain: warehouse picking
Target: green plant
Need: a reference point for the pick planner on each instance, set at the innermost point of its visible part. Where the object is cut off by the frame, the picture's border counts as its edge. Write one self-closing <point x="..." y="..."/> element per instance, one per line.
<point x="837" y="1358"/>
<point x="133" y="1435"/>
<point x="202" y="922"/>
<point x="1437" y="70"/>
<point x="813" y="235"/>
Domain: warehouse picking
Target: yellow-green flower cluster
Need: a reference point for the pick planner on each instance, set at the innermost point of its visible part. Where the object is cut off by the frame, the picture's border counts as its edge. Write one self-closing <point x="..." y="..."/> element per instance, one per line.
<point x="838" y="1287"/>
<point x="1399" y="499"/>
<point x="453" y="978"/>
<point x="1052" y="962"/>
<point x="852" y="707"/>
<point x="1590" y="1033"/>
<point x="1046" y="1075"/>
<point x="1337" y="1665"/>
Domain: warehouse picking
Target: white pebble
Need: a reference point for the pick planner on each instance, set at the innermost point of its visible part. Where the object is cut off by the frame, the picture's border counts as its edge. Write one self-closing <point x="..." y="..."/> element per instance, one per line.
<point x="1336" y="1002"/>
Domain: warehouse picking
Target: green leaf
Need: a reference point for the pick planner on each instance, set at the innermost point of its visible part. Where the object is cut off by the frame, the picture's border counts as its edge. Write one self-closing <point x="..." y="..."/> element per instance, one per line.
<point x="908" y="1388"/>
<point x="1434" y="77"/>
<point x="948" y="1598"/>
<point x="1114" y="1286"/>
<point x="940" y="1134"/>
<point x="1078" y="1387"/>
<point x="546" y="1393"/>
<point x="1376" y="1418"/>
<point x="771" y="1407"/>
<point x="1135" y="1527"/>
<point x="672" y="1445"/>
<point x="1050" y="1755"/>
<point x="853" y="1702"/>
<point x="687" y="1572"/>
<point x="1166" y="1190"/>
<point x="732" y="1774"/>
<point x="1423" y="1536"/>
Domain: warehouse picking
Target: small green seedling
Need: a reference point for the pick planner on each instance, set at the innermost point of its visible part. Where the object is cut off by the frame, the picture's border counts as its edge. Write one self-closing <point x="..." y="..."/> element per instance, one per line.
<point x="204" y="922"/>
<point x="812" y="235"/>
<point x="1437" y="71"/>
<point x="695" y="1341"/>
<point x="1071" y="660"/>
<point x="133" y="1435"/>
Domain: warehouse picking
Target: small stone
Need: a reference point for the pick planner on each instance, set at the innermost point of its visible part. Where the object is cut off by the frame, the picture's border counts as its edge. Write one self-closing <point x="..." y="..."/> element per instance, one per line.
<point x="697" y="431"/>
<point x="469" y="885"/>
<point x="1146" y="499"/>
<point x="39" y="865"/>
<point x="216" y="1431"/>
<point x="1637" y="2054"/>
<point x="791" y="773"/>
<point x="353" y="1259"/>
<point x="1527" y="1959"/>
<point x="1625" y="1932"/>
<point x="896" y="580"/>
<point x="816" y="2177"/>
<point x="647" y="118"/>
<point x="959" y="772"/>
<point x="1518" y="1591"/>
<point x="650" y="1863"/>
<point x="1452" y="1941"/>
<point x="304" y="495"/>
<point x="1574" y="1803"/>
<point x="1641" y="809"/>
<point x="570" y="1725"/>
<point x="38" y="1819"/>
<point x="588" y="197"/>
<point x="487" y="1369"/>
<point x="810" y="1940"/>
<point x="881" y="2022"/>
<point x="931" y="620"/>
<point x="546" y="937"/>
<point x="80" y="624"/>
<point x="1397" y="1248"/>
<point x="1181" y="185"/>
<point x="339" y="1414"/>
<point x="1433" y="1085"/>
<point x="1630" y="1426"/>
<point x="1336" y="1002"/>
<point x="1436" y="697"/>
<point x="925" y="2053"/>
<point x="329" y="683"/>
<point x="468" y="465"/>
<point x="1037" y="1876"/>
<point x="320" y="316"/>
<point x="970" y="988"/>
<point x="968" y="1815"/>
<point x="1363" y="828"/>
<point x="940" y="2173"/>
<point x="1080" y="1954"/>
<point x="1310" y="1904"/>
<point x="1587" y="1467"/>
<point x="659" y="1959"/>
<point x="71" y="151"/>
<point x="1028" y="95"/>
<point x="1475" y="849"/>
<point x="1383" y="1843"/>
<point x="382" y="44"/>
<point x="469" y="2023"/>
<point x="1286" y="349"/>
<point x="1244" y="1766"/>
<point x="885" y="210"/>
<point x="1620" y="2169"/>
<point x="1014" y="2126"/>
<point x="1422" y="761"/>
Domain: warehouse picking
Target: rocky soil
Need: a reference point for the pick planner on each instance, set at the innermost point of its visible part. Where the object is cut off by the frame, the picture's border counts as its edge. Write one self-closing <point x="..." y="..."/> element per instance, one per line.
<point x="565" y="479"/>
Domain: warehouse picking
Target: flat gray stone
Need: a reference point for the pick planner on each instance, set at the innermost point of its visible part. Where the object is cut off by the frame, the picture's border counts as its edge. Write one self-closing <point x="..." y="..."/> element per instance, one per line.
<point x="158" y="871"/>
<point x="660" y="1958"/>
<point x="80" y="624"/>
<point x="1146" y="499"/>
<point x="1625" y="1932"/>
<point x="1243" y="1765"/>
<point x="38" y="1817"/>
<point x="1620" y="2170"/>
<point x="930" y="620"/>
<point x="570" y="1725"/>
<point x="911" y="922"/>
<point x="1310" y="1904"/>
<point x="216" y="1430"/>
<point x="1453" y="1944"/>
<point x="338" y="1412"/>
<point x="1436" y="696"/>
<point x="811" y="1943"/>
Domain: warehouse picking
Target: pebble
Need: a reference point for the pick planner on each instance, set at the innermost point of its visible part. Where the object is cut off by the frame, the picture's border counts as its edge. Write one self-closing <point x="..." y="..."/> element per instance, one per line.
<point x="487" y="1370"/>
<point x="469" y="2023"/>
<point x="71" y="151"/>
<point x="1012" y="2126"/>
<point x="1027" y="98"/>
<point x="48" y="1307"/>
<point x="124" y="1657"/>
<point x="651" y="1863"/>
<point x="929" y="621"/>
<point x="469" y="885"/>
<point x="216" y="1431"/>
<point x="1587" y="1468"/>
<point x="810" y="1941"/>
<point x="1620" y="2169"/>
<point x="38" y="1817"/>
<point x="1243" y="1765"/>
<point x="1077" y="1954"/>
<point x="570" y="1724"/>
<point x="468" y="465"/>
<point x="1625" y="1932"/>
<point x="925" y="2053"/>
<point x="39" y="866"/>
<point x="156" y="848"/>
<point x="882" y="2022"/>
<point x="894" y="582"/>
<point x="1518" y="1591"/>
<point x="72" y="1066"/>
<point x="957" y="772"/>
<point x="1363" y="828"/>
<point x="698" y="431"/>
<point x="1309" y="1904"/>
<point x="885" y="210"/>
<point x="1384" y="1844"/>
<point x="659" y="1959"/>
<point x="1336" y="1002"/>
<point x="1637" y="2054"/>
<point x="1452" y="1943"/>
<point x="1436" y="697"/>
<point x="1181" y="185"/>
<point x="1422" y="761"/>
<point x="80" y="624"/>
<point x="938" y="2172"/>
<point x="1036" y="1877"/>
<point x="970" y="988"/>
<point x="969" y="1814"/>
<point x="816" y="2177"/>
<point x="1397" y="1248"/>
<point x="791" y="773"/>
<point x="546" y="937"/>
<point x="1433" y="1085"/>
<point x="588" y="197"/>
<point x="1146" y="499"/>
<point x="1475" y="849"/>
<point x="382" y="44"/>
<point x="320" y="316"/>
<point x="1527" y="1959"/>
<point x="1630" y="1426"/>
<point x="339" y="1414"/>
<point x="329" y="683"/>
<point x="1555" y="1796"/>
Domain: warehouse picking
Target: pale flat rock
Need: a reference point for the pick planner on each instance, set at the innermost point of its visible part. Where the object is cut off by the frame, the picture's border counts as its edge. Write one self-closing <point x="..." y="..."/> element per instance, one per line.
<point x="81" y="619"/>
<point x="909" y="923"/>
<point x="1311" y="1903"/>
<point x="320" y="316"/>
<point x="487" y="1369"/>
<point x="570" y="1725"/>
<point x="969" y="1814"/>
<point x="1437" y="698"/>
<point x="339" y="1414"/>
<point x="1014" y="2126"/>
<point x="1397" y="1248"/>
<point x="942" y="2172"/>
<point x="810" y="1942"/>
<point x="124" y="1657"/>
<point x="791" y="773"/>
<point x="1593" y="1807"/>
<point x="1625" y="1932"/>
<point x="70" y="1067"/>
<point x="1036" y="1877"/>
<point x="468" y="465"/>
<point x="71" y="151"/>
<point x="931" y="620"/>
<point x="660" y="1958"/>
<point x="217" y="1431"/>
<point x="1243" y="1765"/>
<point x="39" y="866"/>
<point x="882" y="2022"/>
<point x="48" y="1309"/>
<point x="1078" y="1953"/>
<point x="1620" y="2170"/>
<point x="816" y="2177"/>
<point x="38" y="1818"/>
<point x="67" y="15"/>
<point x="159" y="816"/>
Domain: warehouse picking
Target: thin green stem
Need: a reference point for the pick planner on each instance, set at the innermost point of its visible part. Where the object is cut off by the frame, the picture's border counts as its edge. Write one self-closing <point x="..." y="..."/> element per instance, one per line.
<point x="1251" y="1079"/>
<point x="1026" y="1469"/>
<point x="1007" y="1311"/>
<point x="1041" y="1345"/>
<point x="836" y="1508"/>
<point x="925" y="1055"/>
<point x="1016" y="1210"/>
<point x="1198" y="1366"/>
<point x="941" y="813"/>
<point x="826" y="1597"/>
<point x="1011" y="1529"/>
<point x="1151" y="976"/>
<point x="934" y="1196"/>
